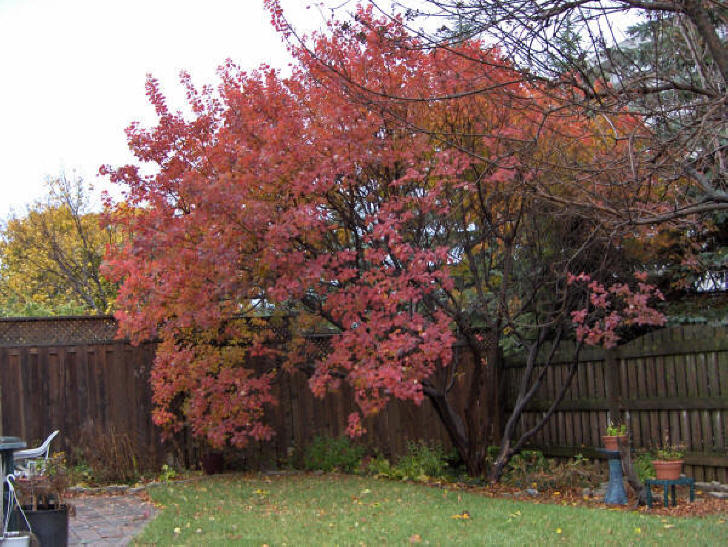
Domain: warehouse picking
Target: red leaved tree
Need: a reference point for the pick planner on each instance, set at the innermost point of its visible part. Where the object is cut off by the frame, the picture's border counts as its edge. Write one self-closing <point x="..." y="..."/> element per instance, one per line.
<point x="405" y="226"/>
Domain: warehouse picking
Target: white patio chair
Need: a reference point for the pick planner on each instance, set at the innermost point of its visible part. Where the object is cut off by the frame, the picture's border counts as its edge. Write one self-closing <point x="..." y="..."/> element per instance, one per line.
<point x="33" y="454"/>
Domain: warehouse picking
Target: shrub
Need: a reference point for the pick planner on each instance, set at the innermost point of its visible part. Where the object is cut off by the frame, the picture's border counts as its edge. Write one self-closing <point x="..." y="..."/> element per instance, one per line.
<point x="530" y="467"/>
<point x="166" y="474"/>
<point x="81" y="472"/>
<point x="379" y="466"/>
<point x="332" y="454"/>
<point x="643" y="467"/>
<point x="106" y="456"/>
<point x="422" y="462"/>
<point x="577" y="471"/>
<point x="525" y="467"/>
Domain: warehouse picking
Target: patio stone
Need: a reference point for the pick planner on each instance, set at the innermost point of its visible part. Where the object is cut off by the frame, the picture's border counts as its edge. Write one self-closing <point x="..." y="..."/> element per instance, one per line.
<point x="108" y="520"/>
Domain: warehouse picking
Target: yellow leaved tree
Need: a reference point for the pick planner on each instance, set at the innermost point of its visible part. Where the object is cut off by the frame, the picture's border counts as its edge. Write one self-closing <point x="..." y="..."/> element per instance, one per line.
<point x="50" y="257"/>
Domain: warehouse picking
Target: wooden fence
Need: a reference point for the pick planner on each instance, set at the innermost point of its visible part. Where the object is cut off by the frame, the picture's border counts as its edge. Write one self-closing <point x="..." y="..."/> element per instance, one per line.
<point x="671" y="382"/>
<point x="299" y="417"/>
<point x="70" y="373"/>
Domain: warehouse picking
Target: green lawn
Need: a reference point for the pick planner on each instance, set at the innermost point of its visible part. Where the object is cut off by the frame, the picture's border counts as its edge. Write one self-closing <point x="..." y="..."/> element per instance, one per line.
<point x="335" y="509"/>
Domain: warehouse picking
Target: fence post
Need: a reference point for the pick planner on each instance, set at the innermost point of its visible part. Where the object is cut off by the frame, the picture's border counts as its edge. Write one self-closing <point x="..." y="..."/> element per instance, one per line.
<point x="611" y="380"/>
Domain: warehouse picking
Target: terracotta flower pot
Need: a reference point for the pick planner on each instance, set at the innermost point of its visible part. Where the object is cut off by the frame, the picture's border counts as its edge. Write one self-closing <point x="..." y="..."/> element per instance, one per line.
<point x="667" y="470"/>
<point x="611" y="442"/>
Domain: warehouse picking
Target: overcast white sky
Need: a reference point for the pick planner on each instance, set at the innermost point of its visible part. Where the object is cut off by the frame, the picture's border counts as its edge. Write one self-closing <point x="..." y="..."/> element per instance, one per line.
<point x="72" y="75"/>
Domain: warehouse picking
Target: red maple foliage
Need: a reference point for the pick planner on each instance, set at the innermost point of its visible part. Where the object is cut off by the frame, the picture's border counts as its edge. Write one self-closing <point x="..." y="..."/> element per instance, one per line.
<point x="614" y="307"/>
<point x="306" y="197"/>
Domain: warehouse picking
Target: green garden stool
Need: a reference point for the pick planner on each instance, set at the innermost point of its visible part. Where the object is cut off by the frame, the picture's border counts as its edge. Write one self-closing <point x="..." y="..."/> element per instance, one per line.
<point x="682" y="481"/>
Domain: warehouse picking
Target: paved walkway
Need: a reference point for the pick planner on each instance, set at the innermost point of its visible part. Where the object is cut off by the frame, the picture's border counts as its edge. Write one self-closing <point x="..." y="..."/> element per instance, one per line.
<point x="108" y="520"/>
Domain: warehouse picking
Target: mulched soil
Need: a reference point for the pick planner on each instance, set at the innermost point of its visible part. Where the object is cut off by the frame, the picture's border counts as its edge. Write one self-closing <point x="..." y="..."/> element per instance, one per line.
<point x="702" y="506"/>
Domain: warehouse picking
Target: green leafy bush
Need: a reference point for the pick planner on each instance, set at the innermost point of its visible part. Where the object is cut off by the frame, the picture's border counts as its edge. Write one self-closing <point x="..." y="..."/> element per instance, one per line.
<point x="422" y="462"/>
<point x="166" y="474"/>
<point x="81" y="473"/>
<point x="643" y="467"/>
<point x="332" y="454"/>
<point x="379" y="466"/>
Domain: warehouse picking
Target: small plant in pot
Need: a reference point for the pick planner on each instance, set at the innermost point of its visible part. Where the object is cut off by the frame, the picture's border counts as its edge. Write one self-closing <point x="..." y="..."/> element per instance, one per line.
<point x="42" y="499"/>
<point x="616" y="433"/>
<point x="668" y="462"/>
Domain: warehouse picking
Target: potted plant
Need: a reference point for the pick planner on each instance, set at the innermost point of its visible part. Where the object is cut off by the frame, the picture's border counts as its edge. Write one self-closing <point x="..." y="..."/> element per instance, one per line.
<point x="668" y="462"/>
<point x="615" y="435"/>
<point x="42" y="499"/>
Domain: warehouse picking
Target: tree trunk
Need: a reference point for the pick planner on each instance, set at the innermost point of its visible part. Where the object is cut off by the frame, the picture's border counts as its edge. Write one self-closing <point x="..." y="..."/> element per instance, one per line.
<point x="493" y="418"/>
<point x="471" y="454"/>
<point x="697" y="13"/>
<point x="526" y="392"/>
<point x="479" y="424"/>
<point x="504" y="456"/>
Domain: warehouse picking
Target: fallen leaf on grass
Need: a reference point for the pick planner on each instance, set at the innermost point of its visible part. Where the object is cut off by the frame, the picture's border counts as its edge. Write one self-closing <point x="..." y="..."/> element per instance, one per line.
<point x="558" y="530"/>
<point x="415" y="538"/>
<point x="669" y="526"/>
<point x="464" y="515"/>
